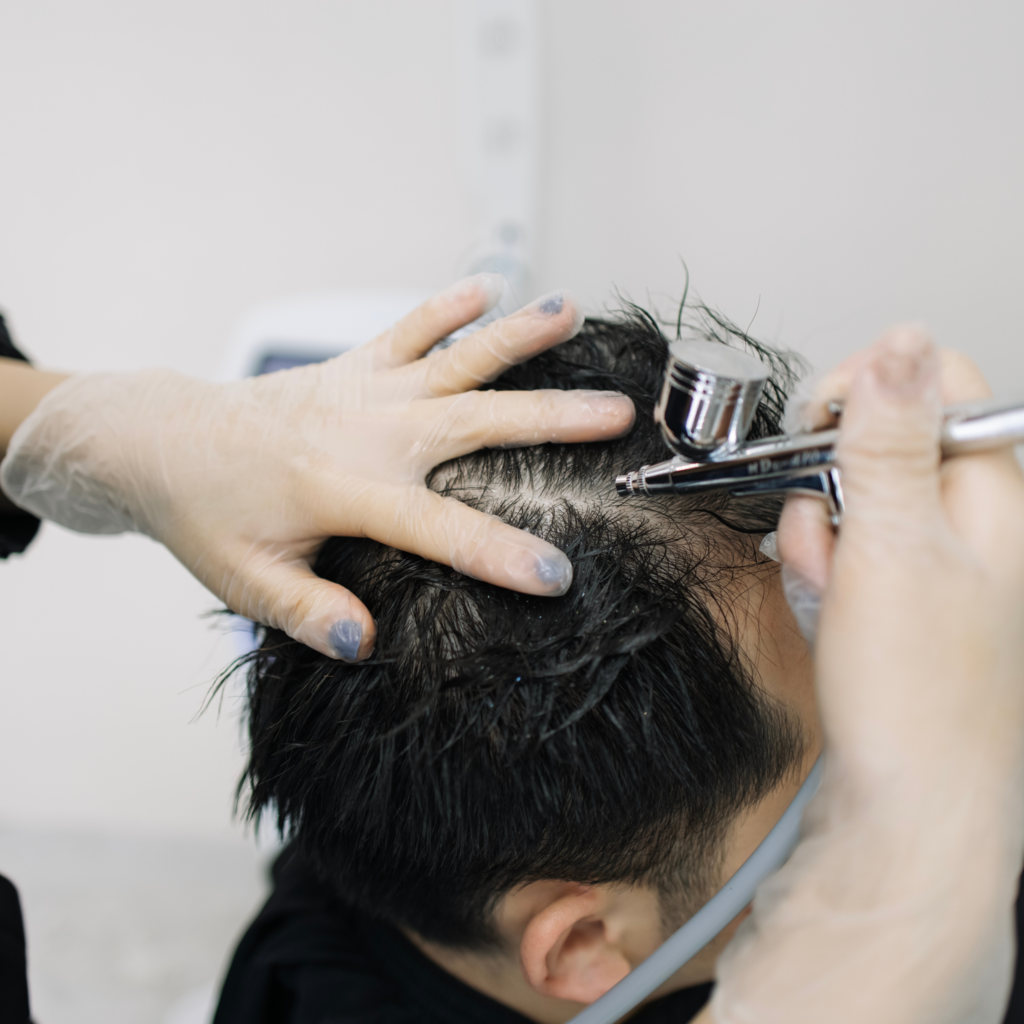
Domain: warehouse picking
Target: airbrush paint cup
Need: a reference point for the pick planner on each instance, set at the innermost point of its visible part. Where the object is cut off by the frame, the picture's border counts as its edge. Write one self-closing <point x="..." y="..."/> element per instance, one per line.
<point x="708" y="399"/>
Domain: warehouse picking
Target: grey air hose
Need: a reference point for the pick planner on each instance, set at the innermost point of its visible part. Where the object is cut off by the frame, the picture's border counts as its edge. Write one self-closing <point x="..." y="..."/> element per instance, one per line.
<point x="689" y="940"/>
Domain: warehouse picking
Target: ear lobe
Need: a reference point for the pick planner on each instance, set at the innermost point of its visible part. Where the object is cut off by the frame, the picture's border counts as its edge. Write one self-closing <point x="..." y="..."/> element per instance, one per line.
<point x="566" y="951"/>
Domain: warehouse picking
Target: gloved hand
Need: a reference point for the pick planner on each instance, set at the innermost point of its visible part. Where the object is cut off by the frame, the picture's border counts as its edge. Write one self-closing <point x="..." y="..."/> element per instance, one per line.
<point x="898" y="903"/>
<point x="813" y="406"/>
<point x="244" y="481"/>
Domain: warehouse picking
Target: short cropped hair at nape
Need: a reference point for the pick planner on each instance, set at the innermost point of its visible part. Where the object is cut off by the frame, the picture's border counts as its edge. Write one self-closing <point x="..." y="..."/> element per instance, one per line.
<point x="494" y="739"/>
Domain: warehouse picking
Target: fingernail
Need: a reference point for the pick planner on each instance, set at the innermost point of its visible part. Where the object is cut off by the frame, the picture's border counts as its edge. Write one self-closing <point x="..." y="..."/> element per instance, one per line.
<point x="903" y="368"/>
<point x="609" y="403"/>
<point x="555" y="572"/>
<point x="804" y="601"/>
<point x="615" y="396"/>
<point x="899" y="372"/>
<point x="769" y="547"/>
<point x="493" y="287"/>
<point x="554" y="304"/>
<point x="550" y="305"/>
<point x="797" y="418"/>
<point x="577" y="322"/>
<point x="345" y="637"/>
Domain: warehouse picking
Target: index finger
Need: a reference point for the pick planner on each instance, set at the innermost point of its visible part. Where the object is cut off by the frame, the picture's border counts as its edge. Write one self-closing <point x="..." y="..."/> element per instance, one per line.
<point x="460" y="424"/>
<point x="485" y="355"/>
<point x="436" y="318"/>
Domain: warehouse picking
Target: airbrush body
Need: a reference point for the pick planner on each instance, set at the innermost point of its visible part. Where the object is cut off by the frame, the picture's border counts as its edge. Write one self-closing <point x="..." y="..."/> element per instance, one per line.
<point x="708" y="400"/>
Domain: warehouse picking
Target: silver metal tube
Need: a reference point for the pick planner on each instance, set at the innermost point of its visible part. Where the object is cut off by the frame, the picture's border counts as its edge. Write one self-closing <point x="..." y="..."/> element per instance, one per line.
<point x="983" y="425"/>
<point x="788" y="462"/>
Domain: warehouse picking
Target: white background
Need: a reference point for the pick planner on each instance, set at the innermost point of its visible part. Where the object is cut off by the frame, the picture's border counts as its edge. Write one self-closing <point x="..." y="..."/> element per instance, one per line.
<point x="165" y="166"/>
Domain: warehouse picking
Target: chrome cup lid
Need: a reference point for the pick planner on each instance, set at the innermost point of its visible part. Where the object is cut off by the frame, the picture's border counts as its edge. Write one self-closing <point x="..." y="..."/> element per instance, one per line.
<point x="708" y="399"/>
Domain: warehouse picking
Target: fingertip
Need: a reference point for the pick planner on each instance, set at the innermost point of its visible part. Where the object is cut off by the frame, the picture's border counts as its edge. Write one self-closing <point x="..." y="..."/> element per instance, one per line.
<point x="962" y="379"/>
<point x="769" y="546"/>
<point x="616" y="412"/>
<point x="578" y="316"/>
<point x="520" y="561"/>
<point x="563" y="306"/>
<point x="906" y="362"/>
<point x="345" y="637"/>
<point x="804" y="544"/>
<point x="473" y="296"/>
<point x="492" y="286"/>
<point x="344" y="630"/>
<point x="804" y="600"/>
<point x="805" y="407"/>
<point x="601" y="414"/>
<point x="805" y="539"/>
<point x="891" y="418"/>
<point x="554" y="572"/>
<point x="351" y="639"/>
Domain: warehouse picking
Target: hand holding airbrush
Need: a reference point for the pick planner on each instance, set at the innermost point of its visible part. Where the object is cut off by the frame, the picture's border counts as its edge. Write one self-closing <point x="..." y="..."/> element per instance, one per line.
<point x="708" y="400"/>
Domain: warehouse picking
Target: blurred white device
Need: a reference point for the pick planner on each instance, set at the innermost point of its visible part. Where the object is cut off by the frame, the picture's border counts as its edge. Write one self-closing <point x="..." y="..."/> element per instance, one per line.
<point x="310" y="328"/>
<point x="499" y="44"/>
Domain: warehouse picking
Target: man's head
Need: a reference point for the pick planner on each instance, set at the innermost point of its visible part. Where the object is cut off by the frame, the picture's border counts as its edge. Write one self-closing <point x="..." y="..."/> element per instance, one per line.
<point x="503" y="758"/>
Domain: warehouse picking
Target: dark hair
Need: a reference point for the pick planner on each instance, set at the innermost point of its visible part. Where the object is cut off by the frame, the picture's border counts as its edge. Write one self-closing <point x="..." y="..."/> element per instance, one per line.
<point x="495" y="738"/>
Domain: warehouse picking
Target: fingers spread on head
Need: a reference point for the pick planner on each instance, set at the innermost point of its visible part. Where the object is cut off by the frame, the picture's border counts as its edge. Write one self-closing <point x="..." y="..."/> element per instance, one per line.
<point x="514" y="419"/>
<point x="427" y="324"/>
<point x="444" y="530"/>
<point x="485" y="355"/>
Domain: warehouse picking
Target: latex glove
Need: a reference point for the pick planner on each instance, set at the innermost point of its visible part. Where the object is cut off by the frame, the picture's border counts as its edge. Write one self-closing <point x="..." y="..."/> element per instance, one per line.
<point x="898" y="903"/>
<point x="813" y="406"/>
<point x="244" y="481"/>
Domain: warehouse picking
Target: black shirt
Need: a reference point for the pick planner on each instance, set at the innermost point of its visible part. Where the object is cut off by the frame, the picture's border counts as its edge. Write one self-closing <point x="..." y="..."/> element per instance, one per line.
<point x="309" y="959"/>
<point x="16" y="531"/>
<point x="16" y="528"/>
<point x="13" y="975"/>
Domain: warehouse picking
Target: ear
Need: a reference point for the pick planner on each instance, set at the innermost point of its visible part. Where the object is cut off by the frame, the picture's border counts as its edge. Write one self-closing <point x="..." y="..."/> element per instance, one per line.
<point x="569" y="948"/>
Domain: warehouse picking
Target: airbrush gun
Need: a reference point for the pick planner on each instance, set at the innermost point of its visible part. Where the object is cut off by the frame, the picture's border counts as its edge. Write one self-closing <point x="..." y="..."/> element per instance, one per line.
<point x="708" y="400"/>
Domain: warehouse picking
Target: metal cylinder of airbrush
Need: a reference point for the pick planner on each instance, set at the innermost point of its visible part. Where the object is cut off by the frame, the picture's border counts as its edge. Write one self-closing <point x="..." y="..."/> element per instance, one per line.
<point x="708" y="399"/>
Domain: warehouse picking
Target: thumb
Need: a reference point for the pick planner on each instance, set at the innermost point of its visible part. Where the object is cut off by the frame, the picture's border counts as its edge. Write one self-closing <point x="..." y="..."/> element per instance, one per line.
<point x="888" y="447"/>
<point x="289" y="596"/>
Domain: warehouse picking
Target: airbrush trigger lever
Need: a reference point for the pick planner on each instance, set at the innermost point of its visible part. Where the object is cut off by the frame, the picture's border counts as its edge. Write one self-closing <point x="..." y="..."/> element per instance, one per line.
<point x="707" y="404"/>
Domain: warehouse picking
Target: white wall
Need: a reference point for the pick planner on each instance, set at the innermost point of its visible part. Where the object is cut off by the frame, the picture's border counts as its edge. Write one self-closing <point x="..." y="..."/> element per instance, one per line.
<point x="850" y="163"/>
<point x="165" y="166"/>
